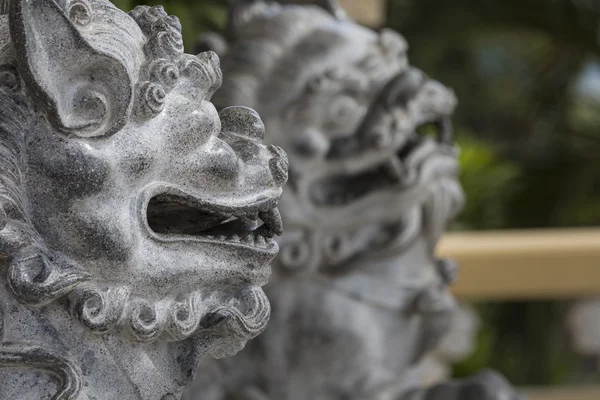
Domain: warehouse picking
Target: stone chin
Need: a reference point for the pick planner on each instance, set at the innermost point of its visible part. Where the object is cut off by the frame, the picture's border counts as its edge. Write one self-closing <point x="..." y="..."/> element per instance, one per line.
<point x="126" y="200"/>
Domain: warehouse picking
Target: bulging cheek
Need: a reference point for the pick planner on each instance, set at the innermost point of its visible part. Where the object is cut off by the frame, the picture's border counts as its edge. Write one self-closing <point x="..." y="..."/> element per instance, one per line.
<point x="67" y="169"/>
<point x="104" y="234"/>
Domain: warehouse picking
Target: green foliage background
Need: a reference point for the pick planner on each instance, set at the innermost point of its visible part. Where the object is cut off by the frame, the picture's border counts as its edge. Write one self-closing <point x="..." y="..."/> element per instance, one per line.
<point x="196" y="15"/>
<point x="530" y="139"/>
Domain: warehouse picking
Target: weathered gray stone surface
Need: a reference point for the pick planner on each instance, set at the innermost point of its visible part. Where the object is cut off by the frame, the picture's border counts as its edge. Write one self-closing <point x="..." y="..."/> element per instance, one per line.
<point x="358" y="296"/>
<point x="457" y="344"/>
<point x="129" y="246"/>
<point x="583" y="324"/>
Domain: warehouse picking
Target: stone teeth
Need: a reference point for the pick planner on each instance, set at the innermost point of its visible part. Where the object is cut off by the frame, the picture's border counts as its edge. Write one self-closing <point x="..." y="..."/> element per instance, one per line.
<point x="248" y="239"/>
<point x="222" y="238"/>
<point x="260" y="241"/>
<point x="272" y="220"/>
<point x="235" y="238"/>
<point x="210" y="236"/>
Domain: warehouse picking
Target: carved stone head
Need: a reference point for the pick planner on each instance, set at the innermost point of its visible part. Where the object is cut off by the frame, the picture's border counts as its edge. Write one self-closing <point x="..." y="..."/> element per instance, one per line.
<point x="360" y="296"/>
<point x="129" y="207"/>
<point x="369" y="137"/>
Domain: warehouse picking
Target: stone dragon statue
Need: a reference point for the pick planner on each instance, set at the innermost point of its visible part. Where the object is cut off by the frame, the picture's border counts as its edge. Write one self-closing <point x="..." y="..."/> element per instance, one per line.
<point x="358" y="296"/>
<point x="131" y="243"/>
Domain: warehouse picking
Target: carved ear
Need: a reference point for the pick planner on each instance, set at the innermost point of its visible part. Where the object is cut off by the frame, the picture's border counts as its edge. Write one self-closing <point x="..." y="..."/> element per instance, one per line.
<point x="80" y="88"/>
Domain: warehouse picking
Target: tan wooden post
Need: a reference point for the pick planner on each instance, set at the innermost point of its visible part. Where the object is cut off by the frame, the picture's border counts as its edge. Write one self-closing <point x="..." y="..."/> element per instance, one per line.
<point x="367" y="12"/>
<point x="527" y="264"/>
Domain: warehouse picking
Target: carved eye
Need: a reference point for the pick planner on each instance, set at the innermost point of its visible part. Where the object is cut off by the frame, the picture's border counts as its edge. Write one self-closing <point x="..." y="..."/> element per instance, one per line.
<point x="342" y="107"/>
<point x="343" y="115"/>
<point x="90" y="110"/>
<point x="337" y="247"/>
<point x="9" y="78"/>
<point x="93" y="106"/>
<point x="295" y="254"/>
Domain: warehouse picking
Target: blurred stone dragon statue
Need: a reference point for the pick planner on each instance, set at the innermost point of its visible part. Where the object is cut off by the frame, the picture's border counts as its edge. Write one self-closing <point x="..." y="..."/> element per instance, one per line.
<point x="358" y="296"/>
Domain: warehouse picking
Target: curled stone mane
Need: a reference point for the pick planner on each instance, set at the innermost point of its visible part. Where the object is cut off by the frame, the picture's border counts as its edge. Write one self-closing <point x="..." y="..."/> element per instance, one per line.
<point x="14" y="117"/>
<point x="15" y="225"/>
<point x="19" y="241"/>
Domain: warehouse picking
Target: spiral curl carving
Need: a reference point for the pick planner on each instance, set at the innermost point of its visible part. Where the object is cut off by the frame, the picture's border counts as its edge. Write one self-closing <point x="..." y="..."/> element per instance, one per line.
<point x="144" y="321"/>
<point x="183" y="319"/>
<point x="99" y="309"/>
<point x="164" y="73"/>
<point x="151" y="98"/>
<point x="38" y="277"/>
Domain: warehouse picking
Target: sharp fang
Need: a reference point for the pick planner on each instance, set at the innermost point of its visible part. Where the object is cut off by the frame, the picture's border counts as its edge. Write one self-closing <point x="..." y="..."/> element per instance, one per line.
<point x="395" y="169"/>
<point x="260" y="241"/>
<point x="272" y="220"/>
<point x="235" y="238"/>
<point x="248" y="239"/>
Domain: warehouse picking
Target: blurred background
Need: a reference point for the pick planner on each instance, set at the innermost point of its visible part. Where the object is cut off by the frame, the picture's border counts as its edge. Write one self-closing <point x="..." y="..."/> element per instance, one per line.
<point x="527" y="73"/>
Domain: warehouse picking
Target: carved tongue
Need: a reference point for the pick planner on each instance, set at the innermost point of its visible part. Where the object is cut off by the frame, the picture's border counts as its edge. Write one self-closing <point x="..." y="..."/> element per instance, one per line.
<point x="272" y="220"/>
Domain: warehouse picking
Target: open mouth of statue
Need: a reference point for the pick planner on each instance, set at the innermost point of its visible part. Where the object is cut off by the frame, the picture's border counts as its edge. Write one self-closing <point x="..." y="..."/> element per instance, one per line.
<point x="175" y="216"/>
<point x="343" y="189"/>
<point x="396" y="172"/>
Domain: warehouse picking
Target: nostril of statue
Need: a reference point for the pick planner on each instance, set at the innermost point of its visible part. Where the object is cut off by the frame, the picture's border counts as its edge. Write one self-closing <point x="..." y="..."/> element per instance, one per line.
<point x="242" y="121"/>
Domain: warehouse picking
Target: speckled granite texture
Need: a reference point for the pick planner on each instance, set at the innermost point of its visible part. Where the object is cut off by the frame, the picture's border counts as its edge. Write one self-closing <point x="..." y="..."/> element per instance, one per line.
<point x="131" y="243"/>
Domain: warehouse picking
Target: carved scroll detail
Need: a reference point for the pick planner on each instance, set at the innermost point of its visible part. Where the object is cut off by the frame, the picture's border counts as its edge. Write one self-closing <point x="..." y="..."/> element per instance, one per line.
<point x="17" y="355"/>
<point x="22" y="355"/>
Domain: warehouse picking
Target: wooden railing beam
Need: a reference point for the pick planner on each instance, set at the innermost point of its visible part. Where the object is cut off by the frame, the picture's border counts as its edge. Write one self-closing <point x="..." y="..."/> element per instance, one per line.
<point x="564" y="393"/>
<point x="527" y="264"/>
<point x="366" y="12"/>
